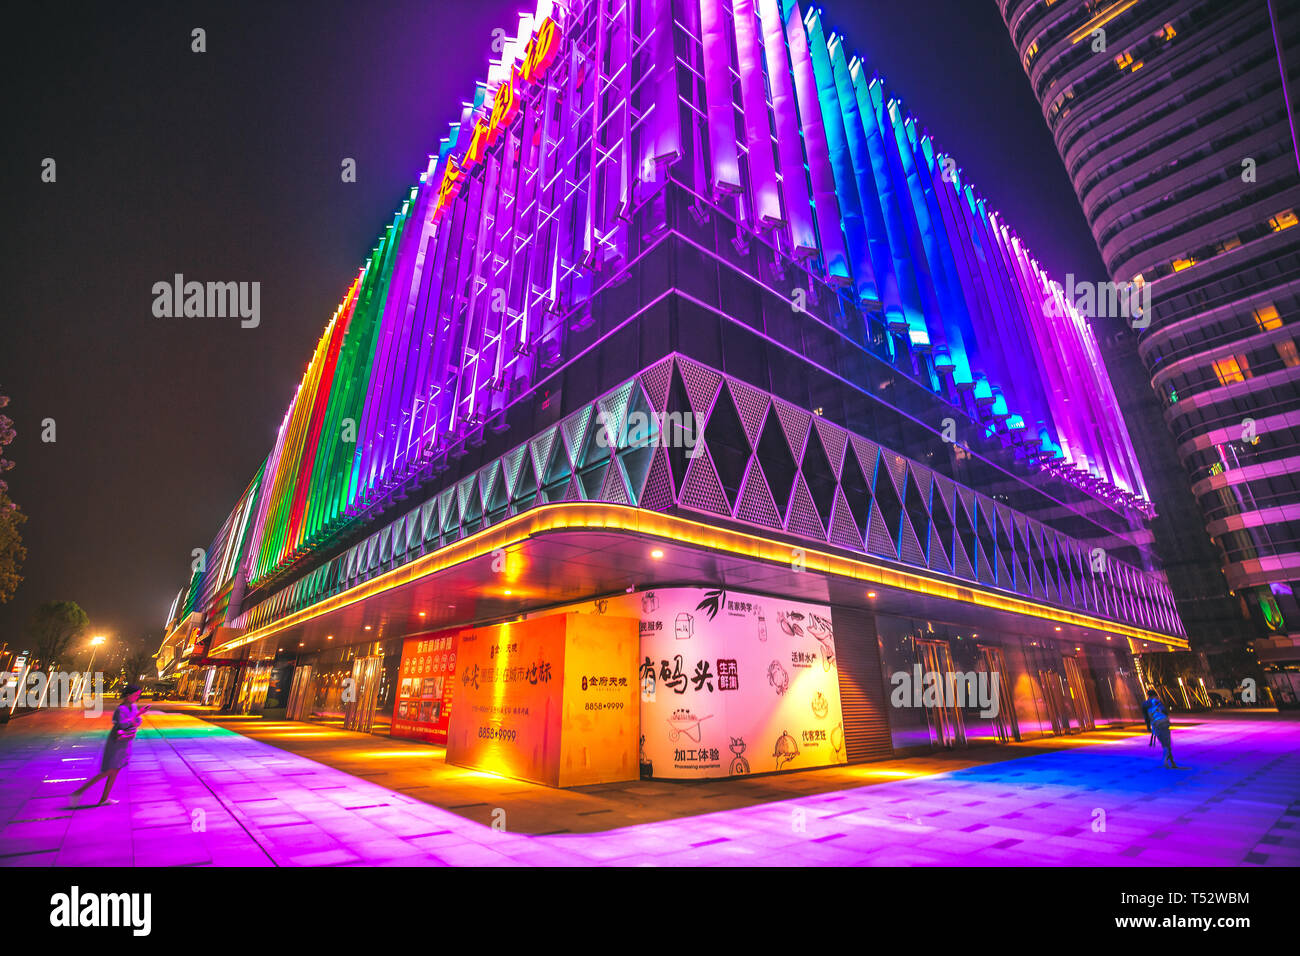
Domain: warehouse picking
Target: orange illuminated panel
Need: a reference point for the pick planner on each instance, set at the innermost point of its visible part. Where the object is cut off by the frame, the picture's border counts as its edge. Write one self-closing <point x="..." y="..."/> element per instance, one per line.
<point x="1100" y="20"/>
<point x="1286" y="350"/>
<point x="1230" y="369"/>
<point x="1283" y="220"/>
<point x="551" y="699"/>
<point x="1267" y="318"/>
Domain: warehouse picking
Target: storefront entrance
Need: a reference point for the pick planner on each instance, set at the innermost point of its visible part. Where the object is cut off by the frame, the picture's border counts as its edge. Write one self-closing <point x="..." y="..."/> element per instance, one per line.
<point x="947" y="728"/>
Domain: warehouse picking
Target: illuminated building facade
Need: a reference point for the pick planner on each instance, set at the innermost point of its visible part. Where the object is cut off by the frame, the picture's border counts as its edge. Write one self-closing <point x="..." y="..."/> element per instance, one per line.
<point x="688" y="320"/>
<point x="1177" y="126"/>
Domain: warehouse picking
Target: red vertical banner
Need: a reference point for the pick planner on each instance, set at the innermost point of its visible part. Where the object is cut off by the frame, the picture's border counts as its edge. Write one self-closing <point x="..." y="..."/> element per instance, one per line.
<point x="425" y="687"/>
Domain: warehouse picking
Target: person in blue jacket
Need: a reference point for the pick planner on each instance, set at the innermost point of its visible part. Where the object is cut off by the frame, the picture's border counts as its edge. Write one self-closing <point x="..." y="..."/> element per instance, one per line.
<point x="1158" y="724"/>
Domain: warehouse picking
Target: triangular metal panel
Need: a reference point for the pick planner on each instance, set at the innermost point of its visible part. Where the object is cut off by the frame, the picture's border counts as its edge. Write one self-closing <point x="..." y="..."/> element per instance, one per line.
<point x="801" y="517"/>
<point x="487" y="482"/>
<point x="701" y="387"/>
<point x="924" y="478"/>
<point x="540" y="449"/>
<point x="635" y="463"/>
<point x="702" y="490"/>
<point x="961" y="562"/>
<point x="1006" y="575"/>
<point x="896" y="465"/>
<point x="938" y="560"/>
<point x="574" y="491"/>
<point x="511" y="462"/>
<point x="879" y="539"/>
<point x="910" y="549"/>
<point x="867" y="452"/>
<point x="657" y="494"/>
<point x="464" y="490"/>
<point x="574" y="430"/>
<point x="756" y="505"/>
<point x="613" y="411"/>
<point x="592" y="479"/>
<point x="834" y="440"/>
<point x="615" y="489"/>
<point x="656" y="381"/>
<point x="751" y="405"/>
<point x="843" y="529"/>
<point x="795" y="422"/>
<point x="429" y="518"/>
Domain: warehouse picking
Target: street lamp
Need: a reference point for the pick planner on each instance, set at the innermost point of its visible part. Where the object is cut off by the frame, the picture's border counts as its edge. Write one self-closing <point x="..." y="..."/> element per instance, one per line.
<point x="94" y="649"/>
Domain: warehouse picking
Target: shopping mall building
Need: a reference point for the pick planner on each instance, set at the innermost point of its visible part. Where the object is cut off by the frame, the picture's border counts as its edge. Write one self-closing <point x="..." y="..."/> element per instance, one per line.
<point x="694" y="416"/>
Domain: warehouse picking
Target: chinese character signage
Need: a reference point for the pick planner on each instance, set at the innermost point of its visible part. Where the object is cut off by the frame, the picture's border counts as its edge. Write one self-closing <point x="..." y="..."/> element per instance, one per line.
<point x="425" y="688"/>
<point x="550" y="699"/>
<point x="731" y="683"/>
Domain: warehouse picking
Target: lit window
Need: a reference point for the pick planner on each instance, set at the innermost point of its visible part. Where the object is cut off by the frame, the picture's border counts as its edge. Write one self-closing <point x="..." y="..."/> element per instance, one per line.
<point x="1266" y="317"/>
<point x="1138" y="65"/>
<point x="1231" y="369"/>
<point x="1031" y="53"/>
<point x="1283" y="220"/>
<point x="1227" y="245"/>
<point x="1124" y="60"/>
<point x="1168" y="32"/>
<point x="1287" y="351"/>
<point x="1181" y="264"/>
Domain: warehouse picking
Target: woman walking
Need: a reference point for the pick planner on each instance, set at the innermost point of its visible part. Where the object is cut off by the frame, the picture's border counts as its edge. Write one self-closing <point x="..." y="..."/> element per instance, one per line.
<point x="117" y="750"/>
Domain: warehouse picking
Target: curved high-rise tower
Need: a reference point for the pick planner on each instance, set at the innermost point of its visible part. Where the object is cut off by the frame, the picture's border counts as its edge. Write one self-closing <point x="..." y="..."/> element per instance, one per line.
<point x="1179" y="134"/>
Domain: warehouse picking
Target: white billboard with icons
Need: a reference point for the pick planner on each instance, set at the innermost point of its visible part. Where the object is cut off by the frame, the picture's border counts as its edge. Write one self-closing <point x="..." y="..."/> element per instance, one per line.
<point x="732" y="683"/>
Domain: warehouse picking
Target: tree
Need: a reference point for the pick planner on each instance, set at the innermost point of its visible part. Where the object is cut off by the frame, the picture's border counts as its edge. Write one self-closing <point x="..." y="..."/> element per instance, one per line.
<point x="140" y="663"/>
<point x="12" y="552"/>
<point x="55" y="625"/>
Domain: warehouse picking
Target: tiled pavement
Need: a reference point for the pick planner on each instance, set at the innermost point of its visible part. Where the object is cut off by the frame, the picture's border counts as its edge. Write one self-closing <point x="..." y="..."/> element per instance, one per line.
<point x="197" y="793"/>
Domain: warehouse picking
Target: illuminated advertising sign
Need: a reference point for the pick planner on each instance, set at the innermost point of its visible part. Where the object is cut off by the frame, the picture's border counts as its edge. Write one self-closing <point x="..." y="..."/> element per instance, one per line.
<point x="539" y="54"/>
<point x="732" y="683"/>
<point x="551" y="699"/>
<point x="425" y="688"/>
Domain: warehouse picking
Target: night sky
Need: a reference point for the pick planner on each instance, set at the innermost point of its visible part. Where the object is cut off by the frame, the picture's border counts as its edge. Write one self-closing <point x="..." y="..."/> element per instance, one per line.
<point x="225" y="166"/>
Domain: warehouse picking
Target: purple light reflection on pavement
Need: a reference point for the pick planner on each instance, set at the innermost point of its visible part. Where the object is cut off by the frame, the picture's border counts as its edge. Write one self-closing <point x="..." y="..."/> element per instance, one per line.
<point x="265" y="805"/>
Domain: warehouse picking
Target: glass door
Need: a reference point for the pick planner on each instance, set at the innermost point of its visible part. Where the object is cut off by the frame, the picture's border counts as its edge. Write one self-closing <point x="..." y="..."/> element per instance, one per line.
<point x="947" y="728"/>
<point x="301" y="694"/>
<point x="1005" y="723"/>
<point x="1054" y="700"/>
<point x="1079" y="693"/>
<point x="359" y="712"/>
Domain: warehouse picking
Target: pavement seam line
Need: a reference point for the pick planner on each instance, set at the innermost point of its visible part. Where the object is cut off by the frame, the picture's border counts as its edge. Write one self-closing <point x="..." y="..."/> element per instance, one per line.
<point x="237" y="816"/>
